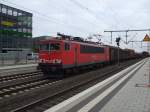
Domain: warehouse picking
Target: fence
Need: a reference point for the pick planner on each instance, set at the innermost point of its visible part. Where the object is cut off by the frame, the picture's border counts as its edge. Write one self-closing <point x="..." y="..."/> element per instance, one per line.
<point x="15" y="58"/>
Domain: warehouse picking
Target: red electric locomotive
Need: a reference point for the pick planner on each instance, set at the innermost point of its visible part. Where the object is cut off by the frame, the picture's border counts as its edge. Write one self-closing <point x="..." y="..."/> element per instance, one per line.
<point x="59" y="54"/>
<point x="66" y="53"/>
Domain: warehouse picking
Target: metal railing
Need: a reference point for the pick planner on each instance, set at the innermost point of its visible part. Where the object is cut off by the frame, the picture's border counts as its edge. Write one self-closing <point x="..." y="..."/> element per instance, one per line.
<point x="9" y="59"/>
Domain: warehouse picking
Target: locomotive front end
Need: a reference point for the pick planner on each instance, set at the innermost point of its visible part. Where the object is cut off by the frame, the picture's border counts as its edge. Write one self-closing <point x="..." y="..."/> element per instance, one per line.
<point x="50" y="58"/>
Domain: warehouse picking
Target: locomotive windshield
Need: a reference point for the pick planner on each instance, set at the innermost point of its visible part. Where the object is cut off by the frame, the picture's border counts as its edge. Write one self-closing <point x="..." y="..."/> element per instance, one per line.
<point x="44" y="47"/>
<point x="54" y="46"/>
<point x="50" y="47"/>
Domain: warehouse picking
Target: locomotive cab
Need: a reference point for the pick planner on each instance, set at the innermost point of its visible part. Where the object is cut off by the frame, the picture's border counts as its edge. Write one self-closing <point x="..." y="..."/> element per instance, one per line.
<point x="50" y="55"/>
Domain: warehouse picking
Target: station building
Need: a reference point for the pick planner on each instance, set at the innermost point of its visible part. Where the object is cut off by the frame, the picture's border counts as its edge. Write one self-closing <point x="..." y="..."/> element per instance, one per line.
<point x="15" y="30"/>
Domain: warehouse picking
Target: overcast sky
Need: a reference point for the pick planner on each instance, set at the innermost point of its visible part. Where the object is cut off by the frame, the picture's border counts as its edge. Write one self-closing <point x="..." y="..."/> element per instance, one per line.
<point x="87" y="17"/>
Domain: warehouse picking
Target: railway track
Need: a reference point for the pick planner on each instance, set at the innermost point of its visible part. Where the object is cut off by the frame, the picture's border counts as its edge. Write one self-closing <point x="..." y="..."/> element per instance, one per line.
<point x="11" y="80"/>
<point x="6" y="92"/>
<point x="38" y="98"/>
<point x="17" y="76"/>
<point x="15" y="71"/>
<point x="14" y="85"/>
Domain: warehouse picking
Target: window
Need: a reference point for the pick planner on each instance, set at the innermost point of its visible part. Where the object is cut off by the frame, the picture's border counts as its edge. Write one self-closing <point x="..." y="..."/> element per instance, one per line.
<point x="54" y="46"/>
<point x="25" y="23"/>
<point x="0" y="8"/>
<point x="29" y="24"/>
<point x="10" y="12"/>
<point x="67" y="46"/>
<point x="14" y="13"/>
<point x="14" y="29"/>
<point x="29" y="30"/>
<point x="20" y="23"/>
<point x="50" y="47"/>
<point x="24" y="30"/>
<point x="19" y="30"/>
<point x="4" y="10"/>
<point x="20" y="14"/>
<point x="29" y="19"/>
<point x="91" y="49"/>
<point x="44" y="47"/>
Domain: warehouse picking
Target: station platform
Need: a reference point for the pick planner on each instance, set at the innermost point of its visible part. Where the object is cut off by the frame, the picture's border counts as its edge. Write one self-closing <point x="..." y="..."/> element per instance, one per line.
<point x="17" y="69"/>
<point x="17" y="66"/>
<point x="133" y="96"/>
<point x="126" y="91"/>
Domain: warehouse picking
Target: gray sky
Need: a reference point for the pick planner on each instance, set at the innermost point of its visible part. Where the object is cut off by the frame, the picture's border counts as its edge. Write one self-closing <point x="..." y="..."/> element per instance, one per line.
<point x="87" y="17"/>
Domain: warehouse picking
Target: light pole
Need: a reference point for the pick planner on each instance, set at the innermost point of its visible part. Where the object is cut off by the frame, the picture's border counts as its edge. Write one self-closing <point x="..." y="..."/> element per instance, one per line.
<point x="118" y="44"/>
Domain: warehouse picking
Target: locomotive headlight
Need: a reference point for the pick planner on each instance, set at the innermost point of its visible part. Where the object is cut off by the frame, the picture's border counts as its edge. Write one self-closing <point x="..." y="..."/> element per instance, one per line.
<point x="58" y="60"/>
<point x="41" y="60"/>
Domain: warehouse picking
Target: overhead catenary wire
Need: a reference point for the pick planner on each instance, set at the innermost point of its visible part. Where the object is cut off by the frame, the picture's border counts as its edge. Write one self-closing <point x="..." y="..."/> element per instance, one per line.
<point x="97" y="17"/>
<point x="115" y="16"/>
<point x="69" y="9"/>
<point x="54" y="20"/>
<point x="47" y="18"/>
<point x="89" y="11"/>
<point x="75" y="2"/>
<point x="57" y="21"/>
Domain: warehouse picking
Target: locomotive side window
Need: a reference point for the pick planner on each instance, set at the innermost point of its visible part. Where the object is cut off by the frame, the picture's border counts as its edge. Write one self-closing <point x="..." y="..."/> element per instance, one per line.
<point x="55" y="46"/>
<point x="67" y="47"/>
<point x="91" y="49"/>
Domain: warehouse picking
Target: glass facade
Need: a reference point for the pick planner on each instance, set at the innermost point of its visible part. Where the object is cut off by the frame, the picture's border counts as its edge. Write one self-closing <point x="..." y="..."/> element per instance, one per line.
<point x="15" y="28"/>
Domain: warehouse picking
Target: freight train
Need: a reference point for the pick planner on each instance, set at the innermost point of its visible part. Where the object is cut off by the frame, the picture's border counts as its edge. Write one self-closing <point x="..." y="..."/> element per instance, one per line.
<point x="67" y="53"/>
